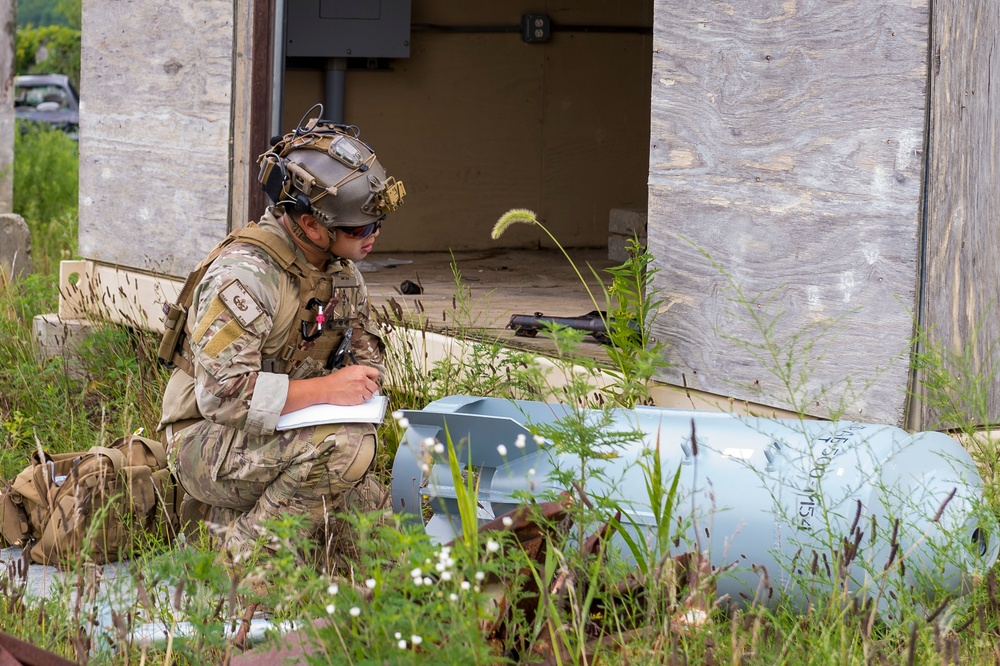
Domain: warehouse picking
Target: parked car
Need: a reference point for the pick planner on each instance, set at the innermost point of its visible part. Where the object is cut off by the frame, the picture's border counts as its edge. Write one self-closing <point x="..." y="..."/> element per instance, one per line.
<point x="49" y="99"/>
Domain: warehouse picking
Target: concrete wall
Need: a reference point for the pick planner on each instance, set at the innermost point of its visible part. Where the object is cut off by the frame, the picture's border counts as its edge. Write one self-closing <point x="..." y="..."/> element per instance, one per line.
<point x="155" y="131"/>
<point x="8" y="32"/>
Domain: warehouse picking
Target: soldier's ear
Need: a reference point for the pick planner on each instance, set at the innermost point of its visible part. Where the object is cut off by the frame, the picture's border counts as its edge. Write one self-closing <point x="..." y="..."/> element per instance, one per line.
<point x="312" y="227"/>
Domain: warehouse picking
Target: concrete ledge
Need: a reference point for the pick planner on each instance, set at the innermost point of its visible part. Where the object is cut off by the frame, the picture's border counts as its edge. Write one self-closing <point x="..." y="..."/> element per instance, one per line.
<point x="623" y="224"/>
<point x="60" y="337"/>
<point x="15" y="247"/>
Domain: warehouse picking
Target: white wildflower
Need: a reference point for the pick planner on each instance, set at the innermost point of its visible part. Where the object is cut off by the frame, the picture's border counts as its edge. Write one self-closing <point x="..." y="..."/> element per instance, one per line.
<point x="520" y="441"/>
<point x="480" y="576"/>
<point x="416" y="640"/>
<point x="396" y="415"/>
<point x="416" y="573"/>
<point x="507" y="521"/>
<point x="453" y="596"/>
<point x="330" y="608"/>
<point x="398" y="635"/>
<point x="439" y="448"/>
<point x="371" y="583"/>
<point x="403" y="423"/>
<point x="539" y="439"/>
<point x="401" y="644"/>
<point x="492" y="546"/>
<point x="466" y="585"/>
<point x="355" y="611"/>
<point x="502" y="450"/>
<point x="531" y="472"/>
<point x="428" y="581"/>
<point x="333" y="589"/>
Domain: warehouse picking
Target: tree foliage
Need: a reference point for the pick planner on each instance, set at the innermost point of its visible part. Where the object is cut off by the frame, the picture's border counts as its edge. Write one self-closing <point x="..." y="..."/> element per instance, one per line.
<point x="39" y="13"/>
<point x="52" y="49"/>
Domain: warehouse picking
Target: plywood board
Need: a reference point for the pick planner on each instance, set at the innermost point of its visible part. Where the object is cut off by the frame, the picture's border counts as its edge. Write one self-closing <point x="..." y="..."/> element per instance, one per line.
<point x="156" y="88"/>
<point x="962" y="278"/>
<point x="785" y="182"/>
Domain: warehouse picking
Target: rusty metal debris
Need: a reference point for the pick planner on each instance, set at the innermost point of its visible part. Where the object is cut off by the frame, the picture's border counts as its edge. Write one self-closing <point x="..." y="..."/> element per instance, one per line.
<point x="688" y="578"/>
<point x="15" y="652"/>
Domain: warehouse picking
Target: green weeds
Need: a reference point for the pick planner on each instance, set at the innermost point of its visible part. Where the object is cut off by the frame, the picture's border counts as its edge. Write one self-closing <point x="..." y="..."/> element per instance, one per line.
<point x="543" y="586"/>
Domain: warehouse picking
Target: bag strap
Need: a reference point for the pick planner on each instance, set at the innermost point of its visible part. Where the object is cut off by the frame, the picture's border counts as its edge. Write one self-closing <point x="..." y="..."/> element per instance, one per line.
<point x="116" y="456"/>
<point x="152" y="445"/>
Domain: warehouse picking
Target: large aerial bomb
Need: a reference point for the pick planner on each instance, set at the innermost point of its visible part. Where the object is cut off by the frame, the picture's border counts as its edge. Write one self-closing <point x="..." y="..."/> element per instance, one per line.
<point x="787" y="508"/>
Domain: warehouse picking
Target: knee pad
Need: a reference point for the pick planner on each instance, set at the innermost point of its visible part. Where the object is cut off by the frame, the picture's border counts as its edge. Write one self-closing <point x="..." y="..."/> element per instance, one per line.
<point x="351" y="453"/>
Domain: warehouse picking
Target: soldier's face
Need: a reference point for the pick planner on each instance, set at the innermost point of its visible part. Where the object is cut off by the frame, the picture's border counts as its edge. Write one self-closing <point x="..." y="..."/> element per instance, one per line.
<point x="350" y="247"/>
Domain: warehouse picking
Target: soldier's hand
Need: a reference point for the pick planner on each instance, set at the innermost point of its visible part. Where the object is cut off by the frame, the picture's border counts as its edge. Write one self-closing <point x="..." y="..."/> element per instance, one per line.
<point x="351" y="385"/>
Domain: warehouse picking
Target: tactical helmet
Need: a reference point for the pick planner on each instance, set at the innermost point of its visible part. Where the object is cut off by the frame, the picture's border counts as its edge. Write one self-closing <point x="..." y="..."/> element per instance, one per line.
<point x="323" y="168"/>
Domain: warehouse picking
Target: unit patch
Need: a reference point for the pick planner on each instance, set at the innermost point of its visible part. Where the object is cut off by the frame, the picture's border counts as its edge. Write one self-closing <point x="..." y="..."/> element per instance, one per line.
<point x="240" y="303"/>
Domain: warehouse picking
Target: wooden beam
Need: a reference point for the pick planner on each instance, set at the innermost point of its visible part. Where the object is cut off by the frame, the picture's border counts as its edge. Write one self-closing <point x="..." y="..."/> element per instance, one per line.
<point x="961" y="279"/>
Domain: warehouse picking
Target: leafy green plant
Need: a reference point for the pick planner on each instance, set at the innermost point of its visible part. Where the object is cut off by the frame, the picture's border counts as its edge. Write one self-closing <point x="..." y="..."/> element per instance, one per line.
<point x="59" y="43"/>
<point x="634" y="353"/>
<point x="46" y="186"/>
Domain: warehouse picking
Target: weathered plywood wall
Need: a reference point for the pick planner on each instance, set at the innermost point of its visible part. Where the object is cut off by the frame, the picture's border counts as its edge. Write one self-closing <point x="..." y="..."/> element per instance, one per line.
<point x="784" y="198"/>
<point x="478" y="123"/>
<point x="156" y="87"/>
<point x="962" y="277"/>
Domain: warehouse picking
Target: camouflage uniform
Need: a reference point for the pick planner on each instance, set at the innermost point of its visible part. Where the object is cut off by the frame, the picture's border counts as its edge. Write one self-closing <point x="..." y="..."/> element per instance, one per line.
<point x="220" y="423"/>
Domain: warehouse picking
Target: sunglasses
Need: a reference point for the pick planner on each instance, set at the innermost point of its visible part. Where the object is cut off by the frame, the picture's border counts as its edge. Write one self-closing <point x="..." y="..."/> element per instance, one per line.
<point x="364" y="231"/>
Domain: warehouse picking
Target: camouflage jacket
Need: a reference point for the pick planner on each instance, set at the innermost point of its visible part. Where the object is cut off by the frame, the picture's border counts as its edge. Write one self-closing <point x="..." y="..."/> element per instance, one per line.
<point x="244" y="312"/>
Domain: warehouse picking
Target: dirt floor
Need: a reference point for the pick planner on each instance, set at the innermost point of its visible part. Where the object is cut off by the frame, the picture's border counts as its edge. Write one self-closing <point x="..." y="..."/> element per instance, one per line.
<point x="499" y="283"/>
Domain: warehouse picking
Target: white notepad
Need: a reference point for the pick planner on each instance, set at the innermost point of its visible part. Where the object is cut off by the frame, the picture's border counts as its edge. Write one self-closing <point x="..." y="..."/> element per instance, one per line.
<point x="371" y="411"/>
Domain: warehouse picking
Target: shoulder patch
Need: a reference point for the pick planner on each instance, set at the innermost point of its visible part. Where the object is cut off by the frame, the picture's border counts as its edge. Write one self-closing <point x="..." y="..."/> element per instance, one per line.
<point x="240" y="303"/>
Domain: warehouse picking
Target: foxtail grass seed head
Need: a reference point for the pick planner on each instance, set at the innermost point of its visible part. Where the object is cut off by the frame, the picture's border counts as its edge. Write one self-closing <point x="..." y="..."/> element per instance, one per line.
<point x="513" y="216"/>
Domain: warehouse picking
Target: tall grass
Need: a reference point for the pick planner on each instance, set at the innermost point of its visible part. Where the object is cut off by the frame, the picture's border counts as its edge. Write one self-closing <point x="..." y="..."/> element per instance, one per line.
<point x="558" y="597"/>
<point x="46" y="189"/>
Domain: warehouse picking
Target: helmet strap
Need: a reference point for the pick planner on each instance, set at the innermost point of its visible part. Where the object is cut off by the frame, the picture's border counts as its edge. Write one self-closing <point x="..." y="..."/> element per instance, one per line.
<point x="301" y="234"/>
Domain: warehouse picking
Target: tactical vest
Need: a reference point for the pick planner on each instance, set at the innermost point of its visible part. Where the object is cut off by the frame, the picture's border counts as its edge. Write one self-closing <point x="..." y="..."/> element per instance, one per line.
<point x="336" y="296"/>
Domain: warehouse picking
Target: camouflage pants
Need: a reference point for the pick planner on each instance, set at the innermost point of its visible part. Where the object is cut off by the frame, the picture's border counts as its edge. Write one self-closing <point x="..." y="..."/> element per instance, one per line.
<point x="252" y="479"/>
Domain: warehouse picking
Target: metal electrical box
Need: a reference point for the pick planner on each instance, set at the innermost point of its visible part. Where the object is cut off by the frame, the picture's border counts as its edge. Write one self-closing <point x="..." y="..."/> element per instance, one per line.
<point x="347" y="28"/>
